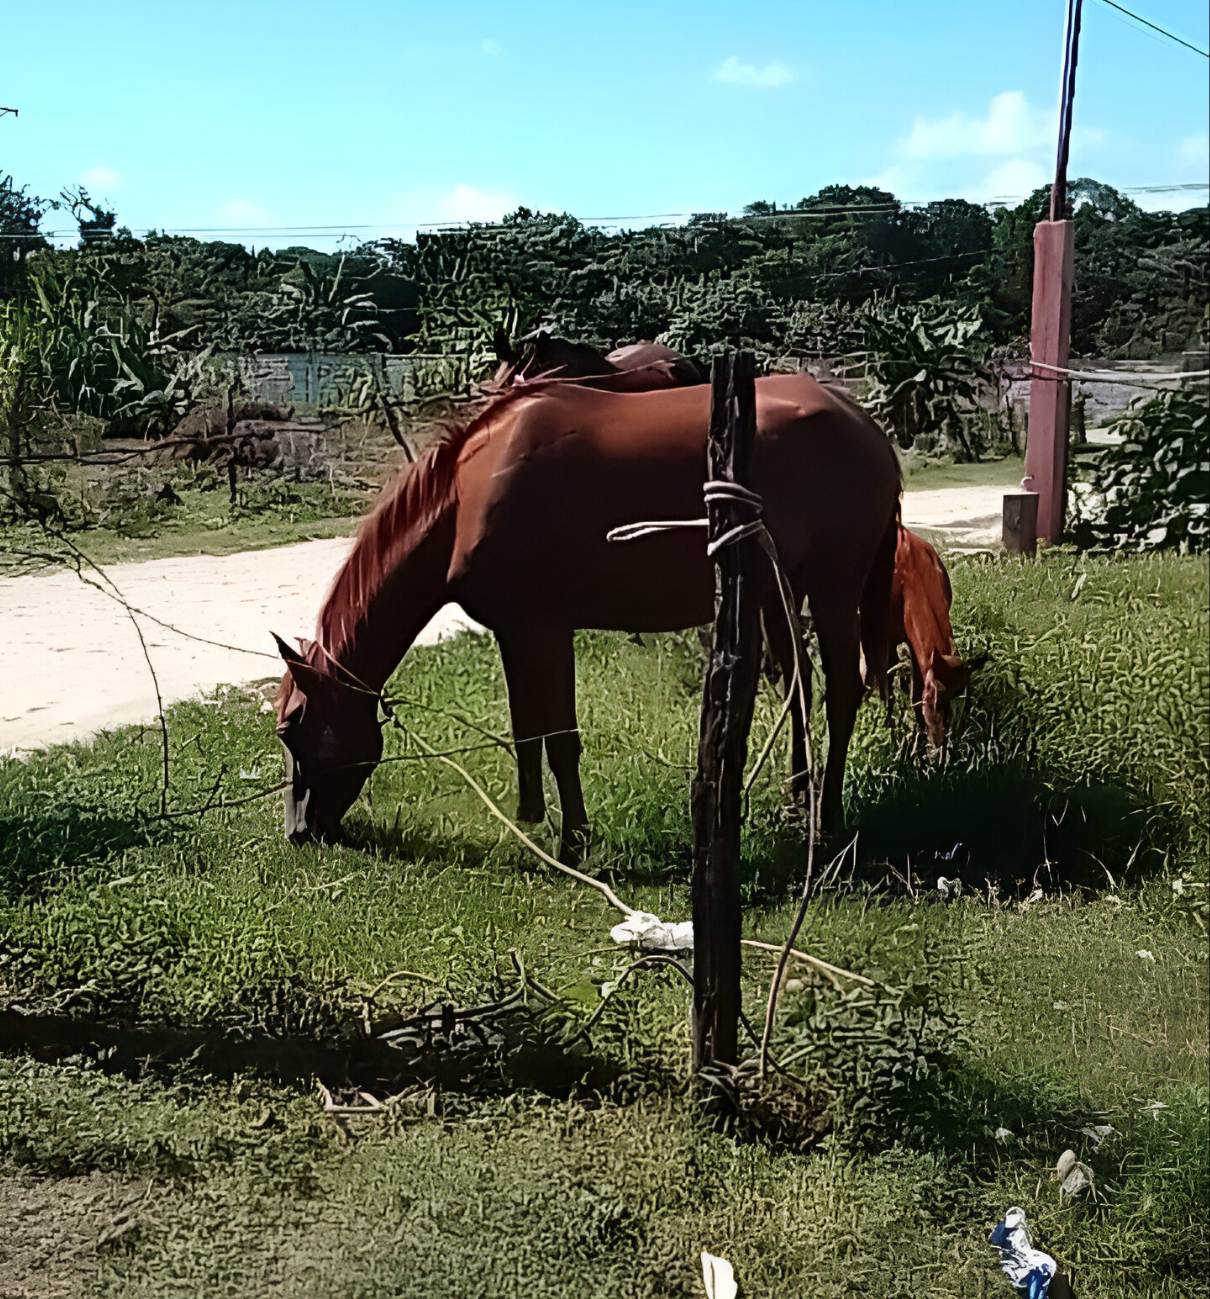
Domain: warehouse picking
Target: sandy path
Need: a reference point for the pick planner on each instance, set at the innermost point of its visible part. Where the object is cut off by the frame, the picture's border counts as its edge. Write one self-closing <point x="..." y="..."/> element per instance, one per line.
<point x="967" y="518"/>
<point x="71" y="664"/>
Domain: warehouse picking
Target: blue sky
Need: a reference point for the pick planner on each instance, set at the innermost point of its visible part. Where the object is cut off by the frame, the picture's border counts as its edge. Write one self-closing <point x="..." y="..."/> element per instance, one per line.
<point x="389" y="113"/>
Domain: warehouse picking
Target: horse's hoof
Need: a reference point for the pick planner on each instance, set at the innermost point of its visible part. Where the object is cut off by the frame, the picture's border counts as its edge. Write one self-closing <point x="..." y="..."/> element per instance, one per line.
<point x="574" y="853"/>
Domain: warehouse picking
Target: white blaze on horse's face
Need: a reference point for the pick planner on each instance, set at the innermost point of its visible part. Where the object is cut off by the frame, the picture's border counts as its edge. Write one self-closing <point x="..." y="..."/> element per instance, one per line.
<point x="332" y="742"/>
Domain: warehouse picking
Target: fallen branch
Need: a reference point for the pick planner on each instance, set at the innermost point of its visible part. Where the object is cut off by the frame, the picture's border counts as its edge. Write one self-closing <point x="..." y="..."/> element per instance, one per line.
<point x="833" y="971"/>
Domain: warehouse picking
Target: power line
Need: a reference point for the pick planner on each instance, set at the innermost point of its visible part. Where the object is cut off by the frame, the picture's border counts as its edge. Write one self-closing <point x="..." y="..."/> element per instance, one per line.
<point x="1155" y="27"/>
<point x="782" y="214"/>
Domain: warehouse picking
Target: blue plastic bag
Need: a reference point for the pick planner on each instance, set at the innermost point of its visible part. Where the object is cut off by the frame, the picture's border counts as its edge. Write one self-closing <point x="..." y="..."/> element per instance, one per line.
<point x="1029" y="1270"/>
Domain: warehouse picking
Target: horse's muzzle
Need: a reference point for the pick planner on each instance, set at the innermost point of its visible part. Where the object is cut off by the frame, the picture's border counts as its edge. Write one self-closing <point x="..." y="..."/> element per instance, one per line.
<point x="298" y="831"/>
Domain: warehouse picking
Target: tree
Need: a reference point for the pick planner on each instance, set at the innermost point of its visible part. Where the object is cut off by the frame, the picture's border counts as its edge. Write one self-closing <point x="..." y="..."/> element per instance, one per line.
<point x="20" y="216"/>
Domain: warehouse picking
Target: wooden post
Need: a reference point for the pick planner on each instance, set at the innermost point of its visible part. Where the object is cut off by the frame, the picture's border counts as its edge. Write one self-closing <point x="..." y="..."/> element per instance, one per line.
<point x="1020" y="536"/>
<point x="1049" y="389"/>
<point x="1050" y="327"/>
<point x="728" y="698"/>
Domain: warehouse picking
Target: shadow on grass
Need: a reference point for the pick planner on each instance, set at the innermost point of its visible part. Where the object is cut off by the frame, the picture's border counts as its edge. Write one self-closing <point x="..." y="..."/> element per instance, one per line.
<point x="514" y="1051"/>
<point x="1016" y="827"/>
<point x="37" y="846"/>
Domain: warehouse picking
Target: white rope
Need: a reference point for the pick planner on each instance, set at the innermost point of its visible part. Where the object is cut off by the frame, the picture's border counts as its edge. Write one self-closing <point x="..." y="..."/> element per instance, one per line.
<point x="1129" y="377"/>
<point x="717" y="491"/>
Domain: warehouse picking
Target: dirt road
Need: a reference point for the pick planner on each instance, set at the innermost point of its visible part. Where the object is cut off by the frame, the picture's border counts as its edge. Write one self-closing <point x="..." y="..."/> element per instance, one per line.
<point x="71" y="662"/>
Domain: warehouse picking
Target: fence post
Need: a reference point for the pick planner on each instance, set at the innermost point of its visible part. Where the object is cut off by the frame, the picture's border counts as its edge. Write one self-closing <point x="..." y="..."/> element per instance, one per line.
<point x="728" y="697"/>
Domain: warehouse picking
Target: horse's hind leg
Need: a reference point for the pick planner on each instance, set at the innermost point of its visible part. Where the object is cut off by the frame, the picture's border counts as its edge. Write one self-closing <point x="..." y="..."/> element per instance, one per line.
<point x="781" y="644"/>
<point x="539" y="667"/>
<point x="839" y="647"/>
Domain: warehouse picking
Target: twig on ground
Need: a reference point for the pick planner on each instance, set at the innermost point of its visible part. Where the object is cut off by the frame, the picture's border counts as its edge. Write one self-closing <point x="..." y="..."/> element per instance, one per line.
<point x="603" y="888"/>
<point x="834" y="972"/>
<point x="654" y="959"/>
<point x="398" y="974"/>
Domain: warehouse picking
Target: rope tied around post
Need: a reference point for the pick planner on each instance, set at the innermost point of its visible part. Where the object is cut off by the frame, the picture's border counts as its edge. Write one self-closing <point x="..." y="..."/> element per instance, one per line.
<point x="716" y="491"/>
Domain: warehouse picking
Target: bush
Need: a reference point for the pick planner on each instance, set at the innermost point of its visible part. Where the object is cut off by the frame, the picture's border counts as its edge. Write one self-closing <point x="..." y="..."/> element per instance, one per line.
<point x="923" y="369"/>
<point x="1149" y="492"/>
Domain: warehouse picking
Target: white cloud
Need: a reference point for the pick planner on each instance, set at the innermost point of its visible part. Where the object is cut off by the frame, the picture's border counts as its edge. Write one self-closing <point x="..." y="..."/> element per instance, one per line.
<point x="492" y="48"/>
<point x="101" y="178"/>
<point x="1010" y="126"/>
<point x="1013" y="179"/>
<point x="466" y="203"/>
<point x="734" y="73"/>
<point x="242" y="211"/>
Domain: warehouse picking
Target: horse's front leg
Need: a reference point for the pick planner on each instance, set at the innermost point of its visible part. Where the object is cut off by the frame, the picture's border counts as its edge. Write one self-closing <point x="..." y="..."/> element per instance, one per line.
<point x="540" y="670"/>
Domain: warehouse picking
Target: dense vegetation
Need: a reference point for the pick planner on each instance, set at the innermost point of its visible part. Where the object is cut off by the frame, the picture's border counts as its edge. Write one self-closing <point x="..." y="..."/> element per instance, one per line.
<point x="212" y="972"/>
<point x="814" y="277"/>
<point x="1150" y="491"/>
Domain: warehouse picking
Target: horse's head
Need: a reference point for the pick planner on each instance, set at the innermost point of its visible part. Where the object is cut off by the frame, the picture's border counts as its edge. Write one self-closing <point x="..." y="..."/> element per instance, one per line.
<point x="332" y="739"/>
<point x="945" y="680"/>
<point x="544" y="356"/>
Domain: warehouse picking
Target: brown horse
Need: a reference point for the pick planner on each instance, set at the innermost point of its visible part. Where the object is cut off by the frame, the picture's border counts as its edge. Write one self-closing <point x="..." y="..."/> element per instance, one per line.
<point x="921" y="596"/>
<point x="509" y="518"/>
<point x="640" y="367"/>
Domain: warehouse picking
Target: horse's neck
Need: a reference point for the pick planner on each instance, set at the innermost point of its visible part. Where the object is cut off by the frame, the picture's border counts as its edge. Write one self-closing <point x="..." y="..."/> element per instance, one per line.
<point x="400" y="608"/>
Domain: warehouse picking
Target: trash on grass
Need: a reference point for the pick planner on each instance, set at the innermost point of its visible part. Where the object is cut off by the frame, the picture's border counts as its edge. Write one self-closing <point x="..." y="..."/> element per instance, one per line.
<point x="1028" y="1269"/>
<point x="649" y="932"/>
<point x="1144" y="955"/>
<point x="1073" y="1176"/>
<point x="719" y="1277"/>
<point x="948" y="888"/>
<point x="1005" y="1134"/>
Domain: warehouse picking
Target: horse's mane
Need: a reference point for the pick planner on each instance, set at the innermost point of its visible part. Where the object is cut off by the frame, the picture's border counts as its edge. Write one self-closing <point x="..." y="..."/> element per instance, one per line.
<point x="408" y="508"/>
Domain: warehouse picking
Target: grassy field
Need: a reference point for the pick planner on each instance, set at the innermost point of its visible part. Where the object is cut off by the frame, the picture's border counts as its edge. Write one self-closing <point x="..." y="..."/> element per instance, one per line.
<point x="172" y="988"/>
<point x="923" y="474"/>
<point x="268" y="513"/>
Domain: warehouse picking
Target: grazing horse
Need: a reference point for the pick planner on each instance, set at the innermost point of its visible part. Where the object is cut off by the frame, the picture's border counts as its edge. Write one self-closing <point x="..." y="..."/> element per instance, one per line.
<point x="920" y="615"/>
<point x="508" y="516"/>
<point x="640" y="367"/>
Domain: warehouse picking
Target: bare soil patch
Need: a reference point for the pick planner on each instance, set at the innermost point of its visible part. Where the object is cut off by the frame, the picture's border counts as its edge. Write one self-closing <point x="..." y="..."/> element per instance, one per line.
<point x="53" y="1230"/>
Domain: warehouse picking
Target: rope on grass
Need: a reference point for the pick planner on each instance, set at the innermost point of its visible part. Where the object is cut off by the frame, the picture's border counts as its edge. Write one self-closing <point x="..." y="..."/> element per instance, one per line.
<point x="610" y="896"/>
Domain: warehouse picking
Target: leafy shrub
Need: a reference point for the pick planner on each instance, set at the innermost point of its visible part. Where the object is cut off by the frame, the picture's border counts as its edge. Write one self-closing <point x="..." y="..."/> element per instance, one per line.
<point x="1150" y="491"/>
<point x="923" y="368"/>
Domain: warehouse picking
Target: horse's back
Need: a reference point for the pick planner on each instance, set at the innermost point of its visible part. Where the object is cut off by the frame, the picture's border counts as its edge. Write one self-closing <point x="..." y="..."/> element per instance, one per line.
<point x="565" y="466"/>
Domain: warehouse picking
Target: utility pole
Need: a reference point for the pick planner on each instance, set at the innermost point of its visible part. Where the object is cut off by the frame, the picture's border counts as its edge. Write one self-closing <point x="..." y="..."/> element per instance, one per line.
<point x="1050" y="328"/>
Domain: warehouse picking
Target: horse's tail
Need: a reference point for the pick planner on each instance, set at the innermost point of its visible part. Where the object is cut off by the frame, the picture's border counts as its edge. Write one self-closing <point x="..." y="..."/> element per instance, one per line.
<point x="876" y="609"/>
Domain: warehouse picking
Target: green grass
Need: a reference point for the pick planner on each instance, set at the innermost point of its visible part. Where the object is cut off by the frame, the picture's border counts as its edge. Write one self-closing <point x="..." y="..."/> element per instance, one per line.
<point x="215" y="971"/>
<point x="924" y="474"/>
<point x="201" y="523"/>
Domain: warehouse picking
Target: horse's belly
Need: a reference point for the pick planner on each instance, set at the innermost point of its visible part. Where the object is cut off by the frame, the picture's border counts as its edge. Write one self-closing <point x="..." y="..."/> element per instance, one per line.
<point x="569" y="577"/>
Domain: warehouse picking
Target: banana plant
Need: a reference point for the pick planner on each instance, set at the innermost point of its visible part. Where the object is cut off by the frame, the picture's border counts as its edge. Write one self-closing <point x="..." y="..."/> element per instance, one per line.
<point x="924" y="368"/>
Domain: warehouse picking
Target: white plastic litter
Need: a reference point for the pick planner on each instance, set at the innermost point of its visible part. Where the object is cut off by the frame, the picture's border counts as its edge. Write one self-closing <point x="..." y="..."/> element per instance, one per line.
<point x="642" y="929"/>
<point x="1144" y="955"/>
<point x="1073" y="1177"/>
<point x="1029" y="1269"/>
<point x="719" y="1277"/>
<point x="1099" y="1132"/>
<point x="948" y="888"/>
<point x="1005" y="1134"/>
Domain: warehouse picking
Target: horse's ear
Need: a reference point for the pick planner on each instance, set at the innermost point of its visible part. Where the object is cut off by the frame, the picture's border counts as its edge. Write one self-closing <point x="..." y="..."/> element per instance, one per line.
<point x="292" y="656"/>
<point x="310" y="680"/>
<point x="503" y="347"/>
<point x="307" y="678"/>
